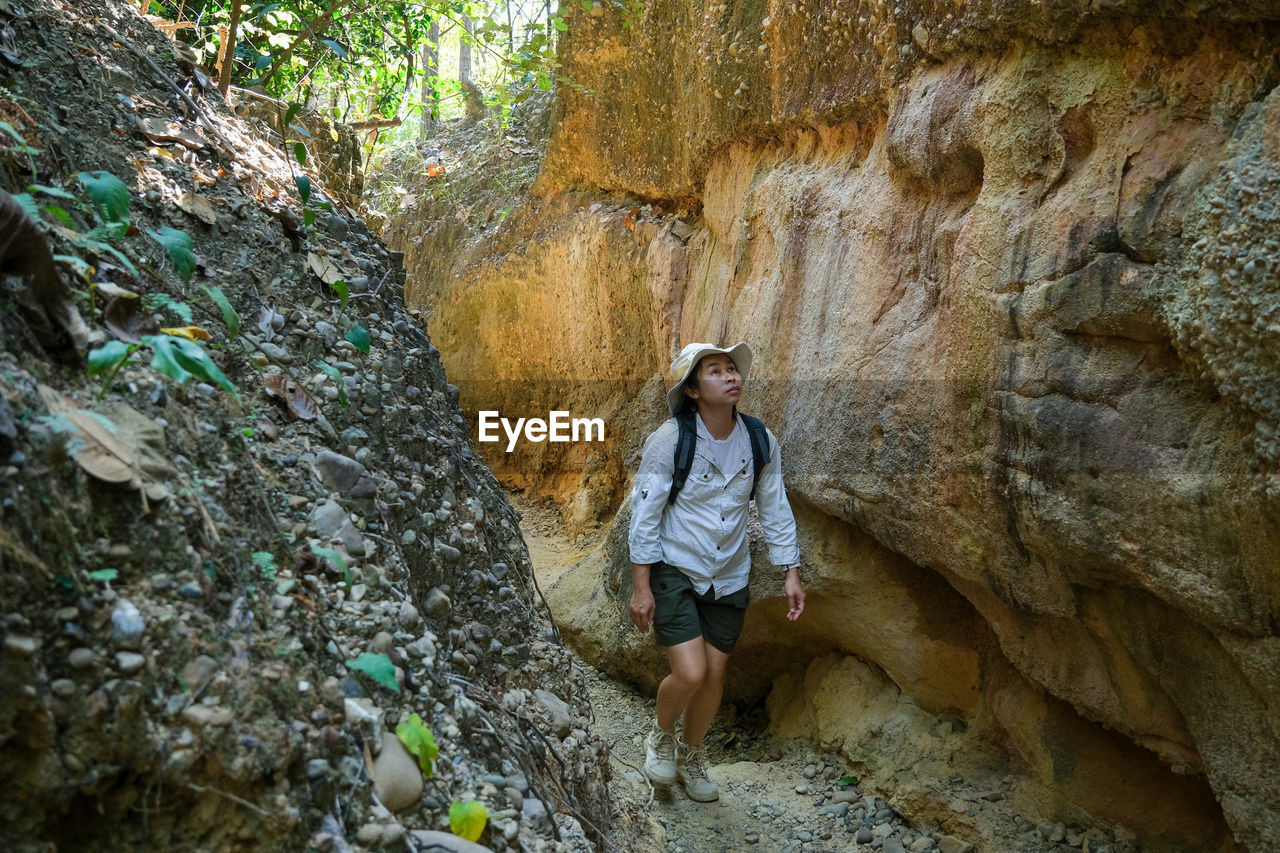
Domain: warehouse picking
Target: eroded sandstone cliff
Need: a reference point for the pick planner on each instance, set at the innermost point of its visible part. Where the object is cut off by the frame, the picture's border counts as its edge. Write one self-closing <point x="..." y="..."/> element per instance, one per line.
<point x="1011" y="271"/>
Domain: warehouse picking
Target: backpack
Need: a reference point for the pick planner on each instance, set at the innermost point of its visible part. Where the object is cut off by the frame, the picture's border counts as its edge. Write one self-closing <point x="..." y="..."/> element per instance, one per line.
<point x="689" y="439"/>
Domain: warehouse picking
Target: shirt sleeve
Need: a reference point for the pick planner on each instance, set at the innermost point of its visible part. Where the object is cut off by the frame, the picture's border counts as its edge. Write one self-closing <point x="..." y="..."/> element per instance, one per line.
<point x="775" y="510"/>
<point x="649" y="495"/>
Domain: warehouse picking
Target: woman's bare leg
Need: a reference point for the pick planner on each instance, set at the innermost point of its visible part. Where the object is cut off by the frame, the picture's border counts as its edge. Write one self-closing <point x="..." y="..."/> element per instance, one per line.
<point x="688" y="674"/>
<point x="701" y="707"/>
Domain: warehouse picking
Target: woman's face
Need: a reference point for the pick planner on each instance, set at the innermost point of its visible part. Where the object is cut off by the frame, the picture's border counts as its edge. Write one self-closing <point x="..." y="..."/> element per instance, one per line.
<point x="718" y="382"/>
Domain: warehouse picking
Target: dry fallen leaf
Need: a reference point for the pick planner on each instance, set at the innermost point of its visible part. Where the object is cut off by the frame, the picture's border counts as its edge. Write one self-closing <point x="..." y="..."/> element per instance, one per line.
<point x="198" y="207"/>
<point x="270" y="321"/>
<point x="100" y="452"/>
<point x="325" y="269"/>
<point x="124" y="319"/>
<point x="294" y="398"/>
<point x="160" y="130"/>
<point x="630" y="221"/>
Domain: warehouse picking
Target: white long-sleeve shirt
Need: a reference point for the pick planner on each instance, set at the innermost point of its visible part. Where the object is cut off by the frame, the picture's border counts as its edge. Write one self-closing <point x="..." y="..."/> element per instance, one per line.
<point x="704" y="533"/>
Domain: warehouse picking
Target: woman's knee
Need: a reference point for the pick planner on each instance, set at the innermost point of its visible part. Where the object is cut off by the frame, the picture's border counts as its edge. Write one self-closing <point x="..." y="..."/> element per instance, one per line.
<point x="688" y="664"/>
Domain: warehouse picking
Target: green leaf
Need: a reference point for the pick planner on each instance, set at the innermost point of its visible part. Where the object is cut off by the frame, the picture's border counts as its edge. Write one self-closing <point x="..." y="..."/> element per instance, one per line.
<point x="334" y="557"/>
<point x="157" y="301"/>
<point x="109" y="195"/>
<point x="335" y="47"/>
<point x="419" y="740"/>
<point x="28" y="204"/>
<point x="467" y="819"/>
<point x="60" y="215"/>
<point x="304" y="185"/>
<point x="108" y="356"/>
<point x="293" y="110"/>
<point x="340" y="287"/>
<point x="378" y="667"/>
<point x="266" y="563"/>
<point x="103" y="575"/>
<point x="308" y="217"/>
<point x="300" y="130"/>
<point x="56" y="192"/>
<point x="300" y="153"/>
<point x="178" y="245"/>
<point x="193" y="357"/>
<point x="846" y="781"/>
<point x="359" y="338"/>
<point x="164" y="357"/>
<point x="229" y="315"/>
<point x="333" y="373"/>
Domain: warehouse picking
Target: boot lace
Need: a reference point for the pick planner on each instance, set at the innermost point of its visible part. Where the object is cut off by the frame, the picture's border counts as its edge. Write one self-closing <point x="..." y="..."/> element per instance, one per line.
<point x="695" y="761"/>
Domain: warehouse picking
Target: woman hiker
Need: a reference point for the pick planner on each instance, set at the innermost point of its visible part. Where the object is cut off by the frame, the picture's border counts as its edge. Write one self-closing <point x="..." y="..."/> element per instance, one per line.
<point x="690" y="557"/>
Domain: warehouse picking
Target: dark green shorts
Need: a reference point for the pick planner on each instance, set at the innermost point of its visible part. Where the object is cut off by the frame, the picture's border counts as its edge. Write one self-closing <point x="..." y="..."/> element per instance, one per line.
<point x="681" y="615"/>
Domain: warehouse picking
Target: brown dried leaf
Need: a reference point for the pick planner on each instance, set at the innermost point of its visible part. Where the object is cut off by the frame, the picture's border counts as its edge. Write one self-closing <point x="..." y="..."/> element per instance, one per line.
<point x="160" y="130"/>
<point x="124" y="319"/>
<point x="325" y="269"/>
<point x="198" y="207"/>
<point x="102" y="453"/>
<point x="295" y="399"/>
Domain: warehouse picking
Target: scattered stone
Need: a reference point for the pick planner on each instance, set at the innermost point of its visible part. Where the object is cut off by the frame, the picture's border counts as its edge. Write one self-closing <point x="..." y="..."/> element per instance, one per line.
<point x="126" y="625"/>
<point x="810" y="771"/>
<point x="445" y="842"/>
<point x="23" y="647"/>
<point x="802" y="788"/>
<point x="329" y="521"/>
<point x="345" y="475"/>
<point x="196" y="674"/>
<point x="82" y="658"/>
<point x="438" y="605"/>
<point x="318" y="768"/>
<point x="923" y="844"/>
<point x="752" y="837"/>
<point x="130" y="662"/>
<point x="561" y="718"/>
<point x="892" y="845"/>
<point x="863" y="836"/>
<point x="835" y="809"/>
<point x="408" y="615"/>
<point x="370" y="833"/>
<point x="397" y="781"/>
<point x="951" y="844"/>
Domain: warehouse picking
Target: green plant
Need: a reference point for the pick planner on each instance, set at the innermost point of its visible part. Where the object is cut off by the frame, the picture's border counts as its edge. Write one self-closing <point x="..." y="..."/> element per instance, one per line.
<point x="378" y="667"/>
<point x="467" y="820"/>
<point x="266" y="563"/>
<point x="419" y="740"/>
<point x="176" y="357"/>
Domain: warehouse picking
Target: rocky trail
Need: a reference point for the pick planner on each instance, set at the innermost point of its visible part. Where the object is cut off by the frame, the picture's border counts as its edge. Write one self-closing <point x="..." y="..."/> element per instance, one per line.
<point x="776" y="794"/>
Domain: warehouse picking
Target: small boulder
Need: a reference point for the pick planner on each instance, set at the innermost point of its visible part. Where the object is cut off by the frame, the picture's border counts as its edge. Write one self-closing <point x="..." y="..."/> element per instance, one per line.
<point x="396" y="778"/>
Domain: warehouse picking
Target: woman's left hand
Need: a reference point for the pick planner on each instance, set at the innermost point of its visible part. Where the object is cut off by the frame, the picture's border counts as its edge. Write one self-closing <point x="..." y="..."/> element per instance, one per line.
<point x="795" y="595"/>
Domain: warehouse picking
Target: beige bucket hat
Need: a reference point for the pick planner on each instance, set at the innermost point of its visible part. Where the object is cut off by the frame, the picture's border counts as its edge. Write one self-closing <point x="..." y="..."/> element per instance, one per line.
<point x="691" y="355"/>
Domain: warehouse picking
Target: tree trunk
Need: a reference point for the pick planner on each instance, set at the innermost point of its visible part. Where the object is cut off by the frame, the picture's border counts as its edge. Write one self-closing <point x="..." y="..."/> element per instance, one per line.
<point x="227" y="56"/>
<point x="430" y="71"/>
<point x="464" y="49"/>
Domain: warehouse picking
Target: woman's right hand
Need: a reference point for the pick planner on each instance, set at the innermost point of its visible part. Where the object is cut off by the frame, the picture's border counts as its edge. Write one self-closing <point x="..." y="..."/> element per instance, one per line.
<point x="642" y="608"/>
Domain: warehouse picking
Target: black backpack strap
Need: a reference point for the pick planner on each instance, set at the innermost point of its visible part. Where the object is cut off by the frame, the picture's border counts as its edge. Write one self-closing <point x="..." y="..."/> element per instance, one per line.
<point x="685" y="444"/>
<point x="759" y="448"/>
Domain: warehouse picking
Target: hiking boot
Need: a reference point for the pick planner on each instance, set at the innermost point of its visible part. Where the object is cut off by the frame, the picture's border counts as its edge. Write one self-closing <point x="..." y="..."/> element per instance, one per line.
<point x="660" y="755"/>
<point x="691" y="767"/>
